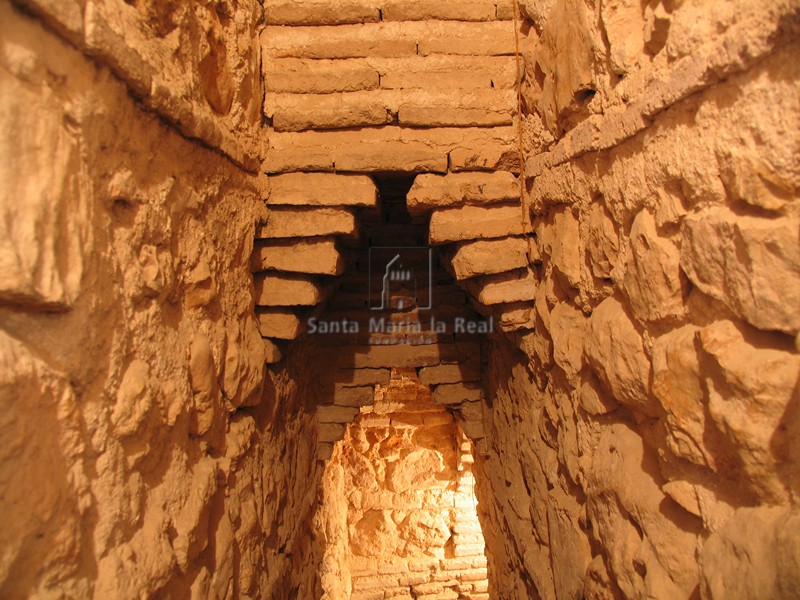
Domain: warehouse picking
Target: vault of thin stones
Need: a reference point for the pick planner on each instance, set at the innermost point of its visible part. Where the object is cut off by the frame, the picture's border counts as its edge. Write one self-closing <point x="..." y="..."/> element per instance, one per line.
<point x="187" y="190"/>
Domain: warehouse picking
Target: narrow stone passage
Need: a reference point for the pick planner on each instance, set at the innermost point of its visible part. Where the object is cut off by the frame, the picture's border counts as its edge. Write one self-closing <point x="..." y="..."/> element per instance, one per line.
<point x="399" y="299"/>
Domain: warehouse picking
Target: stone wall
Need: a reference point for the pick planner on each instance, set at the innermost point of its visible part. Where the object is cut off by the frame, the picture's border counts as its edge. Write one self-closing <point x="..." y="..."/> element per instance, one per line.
<point x="643" y="431"/>
<point x="145" y="450"/>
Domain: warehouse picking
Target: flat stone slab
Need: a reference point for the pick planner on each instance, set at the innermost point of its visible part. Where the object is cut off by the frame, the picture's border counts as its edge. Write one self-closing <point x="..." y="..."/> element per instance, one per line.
<point x="468" y="371"/>
<point x="506" y="287"/>
<point x="488" y="257"/>
<point x="313" y="256"/>
<point x="456" y="393"/>
<point x="279" y="324"/>
<point x="322" y="189"/>
<point x="306" y="222"/>
<point x="286" y="290"/>
<point x="476" y="222"/>
<point x="457" y="189"/>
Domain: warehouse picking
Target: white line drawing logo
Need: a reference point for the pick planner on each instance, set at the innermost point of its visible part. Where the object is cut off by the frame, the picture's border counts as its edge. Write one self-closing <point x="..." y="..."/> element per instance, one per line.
<point x="402" y="286"/>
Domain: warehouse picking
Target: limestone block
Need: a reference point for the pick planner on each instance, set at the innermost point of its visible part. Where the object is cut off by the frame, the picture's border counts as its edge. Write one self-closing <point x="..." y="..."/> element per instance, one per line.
<point x="44" y="229"/>
<point x="315" y="256"/>
<point x="623" y="21"/>
<point x="280" y="324"/>
<point x="272" y="353"/>
<point x="749" y="396"/>
<point x="304" y="76"/>
<point x="357" y="377"/>
<point x="320" y="12"/>
<point x="753" y="556"/>
<point x="493" y="39"/>
<point x="322" y="189"/>
<point x="652" y="276"/>
<point x="324" y="450"/>
<point x="614" y="349"/>
<point x="402" y="355"/>
<point x="415" y="471"/>
<point x="482" y="156"/>
<point x="602" y="244"/>
<point x="355" y="396"/>
<point x="64" y="15"/>
<point x="468" y="108"/>
<point x="628" y="509"/>
<point x="296" y="112"/>
<point x="336" y="414"/>
<point x="412" y="10"/>
<point x="446" y="72"/>
<point x="678" y="387"/>
<point x="342" y="41"/>
<point x="568" y="326"/>
<point x="330" y="432"/>
<point x="286" y="290"/>
<point x="515" y="286"/>
<point x="468" y="371"/>
<point x="306" y="222"/>
<point x="415" y="108"/>
<point x="385" y="149"/>
<point x="752" y="264"/>
<point x="488" y="257"/>
<point x="475" y="222"/>
<point x="393" y="39"/>
<point x="455" y="393"/>
<point x="438" y="191"/>
<point x="560" y="239"/>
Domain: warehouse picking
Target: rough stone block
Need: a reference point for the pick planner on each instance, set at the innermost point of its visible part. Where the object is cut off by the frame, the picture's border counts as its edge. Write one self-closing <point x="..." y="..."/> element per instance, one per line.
<point x="311" y="256"/>
<point x="322" y="189"/>
<point x="320" y="12"/>
<point x="379" y="149"/>
<point x="487" y="39"/>
<point x="456" y="393"/>
<point x="336" y="414"/>
<point x="304" y="76"/>
<point x="286" y="290"/>
<point x="477" y="156"/>
<point x="354" y="396"/>
<point x="446" y="72"/>
<point x="468" y="371"/>
<point x="476" y="222"/>
<point x="402" y="355"/>
<point x="515" y="286"/>
<point x="295" y="112"/>
<point x="752" y="264"/>
<point x="359" y="377"/>
<point x="272" y="354"/>
<point x="330" y="432"/>
<point x="280" y="324"/>
<point x="454" y="189"/>
<point x="488" y="257"/>
<point x="307" y="222"/>
<point x="413" y="10"/>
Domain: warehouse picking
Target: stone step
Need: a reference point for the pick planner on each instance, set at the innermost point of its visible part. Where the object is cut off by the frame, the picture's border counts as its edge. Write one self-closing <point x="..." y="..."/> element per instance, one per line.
<point x="315" y="256"/>
<point x="325" y="76"/>
<point x="321" y="189"/>
<point x="398" y="39"/>
<point x="396" y="149"/>
<point x="432" y="191"/>
<point x="306" y="222"/>
<point x="476" y="223"/>
<point x="413" y="108"/>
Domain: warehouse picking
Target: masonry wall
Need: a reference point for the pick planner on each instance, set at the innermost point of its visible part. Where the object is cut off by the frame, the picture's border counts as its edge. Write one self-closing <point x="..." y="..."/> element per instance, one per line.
<point x="643" y="432"/>
<point x="145" y="450"/>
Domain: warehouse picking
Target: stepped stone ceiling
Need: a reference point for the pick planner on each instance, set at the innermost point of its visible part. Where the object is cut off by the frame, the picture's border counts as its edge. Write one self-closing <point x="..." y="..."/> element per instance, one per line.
<point x="400" y="299"/>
